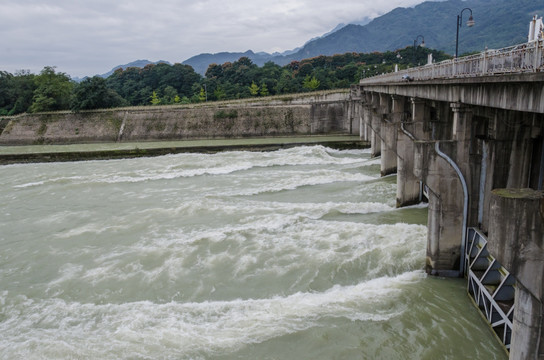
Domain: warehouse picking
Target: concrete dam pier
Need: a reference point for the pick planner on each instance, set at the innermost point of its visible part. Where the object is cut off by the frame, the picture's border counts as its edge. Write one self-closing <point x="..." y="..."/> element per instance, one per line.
<point x="467" y="135"/>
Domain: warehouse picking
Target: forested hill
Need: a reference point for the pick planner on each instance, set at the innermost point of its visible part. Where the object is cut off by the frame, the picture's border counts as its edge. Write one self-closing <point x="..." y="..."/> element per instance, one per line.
<point x="499" y="23"/>
<point x="165" y="84"/>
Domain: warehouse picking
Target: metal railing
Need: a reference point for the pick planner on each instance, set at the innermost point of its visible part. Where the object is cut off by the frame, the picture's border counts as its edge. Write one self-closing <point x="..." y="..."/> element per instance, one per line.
<point x="490" y="285"/>
<point x="522" y="58"/>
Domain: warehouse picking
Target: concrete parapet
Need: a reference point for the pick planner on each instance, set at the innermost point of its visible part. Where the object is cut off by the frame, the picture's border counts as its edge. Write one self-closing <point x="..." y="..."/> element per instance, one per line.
<point x="516" y="239"/>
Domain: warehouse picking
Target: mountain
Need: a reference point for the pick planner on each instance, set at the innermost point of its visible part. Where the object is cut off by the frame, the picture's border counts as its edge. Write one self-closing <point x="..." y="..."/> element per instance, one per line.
<point x="201" y="62"/>
<point x="498" y="23"/>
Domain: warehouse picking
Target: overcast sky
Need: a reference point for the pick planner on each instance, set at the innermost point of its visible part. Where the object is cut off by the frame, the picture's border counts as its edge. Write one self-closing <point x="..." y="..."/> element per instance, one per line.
<point x="88" y="37"/>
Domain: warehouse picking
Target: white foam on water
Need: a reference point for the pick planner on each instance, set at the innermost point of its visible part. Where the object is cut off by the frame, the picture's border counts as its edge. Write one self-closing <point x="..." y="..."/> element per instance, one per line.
<point x="58" y="329"/>
<point x="266" y="246"/>
<point x="247" y="207"/>
<point x="298" y="179"/>
<point x="36" y="183"/>
<point x="350" y="151"/>
<point x="190" y="165"/>
<point x="189" y="264"/>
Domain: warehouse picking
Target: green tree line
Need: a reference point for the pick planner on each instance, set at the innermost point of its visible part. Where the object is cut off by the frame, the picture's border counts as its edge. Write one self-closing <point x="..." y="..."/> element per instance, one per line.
<point x="178" y="83"/>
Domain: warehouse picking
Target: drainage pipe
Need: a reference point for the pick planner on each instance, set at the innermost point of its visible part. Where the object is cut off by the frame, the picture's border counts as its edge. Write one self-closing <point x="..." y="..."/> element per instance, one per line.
<point x="407" y="132"/>
<point x="465" y="205"/>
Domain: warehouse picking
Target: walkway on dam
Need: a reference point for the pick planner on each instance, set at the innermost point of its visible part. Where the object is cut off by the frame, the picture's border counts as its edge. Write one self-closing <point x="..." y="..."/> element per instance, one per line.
<point x="97" y="151"/>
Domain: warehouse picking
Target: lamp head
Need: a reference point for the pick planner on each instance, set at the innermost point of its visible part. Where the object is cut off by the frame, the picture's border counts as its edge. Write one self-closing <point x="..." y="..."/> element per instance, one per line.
<point x="422" y="43"/>
<point x="470" y="22"/>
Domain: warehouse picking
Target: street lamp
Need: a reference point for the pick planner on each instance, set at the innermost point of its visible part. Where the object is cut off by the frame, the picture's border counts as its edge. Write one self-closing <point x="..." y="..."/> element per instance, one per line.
<point x="422" y="45"/>
<point x="470" y="23"/>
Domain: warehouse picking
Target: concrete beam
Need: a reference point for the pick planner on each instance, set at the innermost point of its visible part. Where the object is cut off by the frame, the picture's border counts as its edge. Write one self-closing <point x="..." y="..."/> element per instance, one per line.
<point x="521" y="92"/>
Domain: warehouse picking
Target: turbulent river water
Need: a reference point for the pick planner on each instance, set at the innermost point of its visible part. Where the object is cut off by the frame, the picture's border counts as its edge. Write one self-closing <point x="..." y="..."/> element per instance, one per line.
<point x="292" y="254"/>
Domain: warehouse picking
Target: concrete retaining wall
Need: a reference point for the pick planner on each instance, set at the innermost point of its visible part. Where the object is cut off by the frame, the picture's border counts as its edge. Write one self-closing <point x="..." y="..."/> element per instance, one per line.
<point x="303" y="115"/>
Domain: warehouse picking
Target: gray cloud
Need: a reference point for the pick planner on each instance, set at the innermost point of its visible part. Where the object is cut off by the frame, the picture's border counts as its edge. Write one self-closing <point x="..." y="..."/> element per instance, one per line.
<point x="86" y="37"/>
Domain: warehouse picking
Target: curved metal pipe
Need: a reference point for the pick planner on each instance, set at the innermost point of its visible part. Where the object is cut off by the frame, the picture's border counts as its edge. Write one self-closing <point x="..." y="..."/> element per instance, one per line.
<point x="412" y="137"/>
<point x="465" y="205"/>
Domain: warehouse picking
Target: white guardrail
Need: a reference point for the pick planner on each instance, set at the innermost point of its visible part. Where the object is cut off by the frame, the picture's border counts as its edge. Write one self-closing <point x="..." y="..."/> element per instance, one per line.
<point x="522" y="58"/>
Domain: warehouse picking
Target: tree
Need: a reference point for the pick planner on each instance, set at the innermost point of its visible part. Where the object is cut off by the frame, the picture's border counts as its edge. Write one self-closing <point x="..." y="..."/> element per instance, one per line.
<point x="24" y="87"/>
<point x="52" y="91"/>
<point x="219" y="93"/>
<point x="310" y="83"/>
<point x="286" y="84"/>
<point x="169" y="95"/>
<point x="92" y="93"/>
<point x="264" y="90"/>
<point x="7" y="96"/>
<point x="202" y="95"/>
<point x="155" y="98"/>
<point x="135" y="84"/>
<point x="214" y="71"/>
<point x="254" y="89"/>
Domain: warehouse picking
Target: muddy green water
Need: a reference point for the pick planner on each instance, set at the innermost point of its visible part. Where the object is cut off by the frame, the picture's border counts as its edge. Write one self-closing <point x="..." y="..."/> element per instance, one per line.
<point x="292" y="254"/>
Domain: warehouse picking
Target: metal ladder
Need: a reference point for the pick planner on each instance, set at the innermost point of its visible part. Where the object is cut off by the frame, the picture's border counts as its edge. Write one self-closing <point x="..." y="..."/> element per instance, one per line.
<point x="490" y="285"/>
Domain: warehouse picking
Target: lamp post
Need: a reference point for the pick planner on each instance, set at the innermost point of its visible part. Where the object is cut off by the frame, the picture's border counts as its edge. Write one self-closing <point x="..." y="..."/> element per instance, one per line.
<point x="470" y="23"/>
<point x="422" y="45"/>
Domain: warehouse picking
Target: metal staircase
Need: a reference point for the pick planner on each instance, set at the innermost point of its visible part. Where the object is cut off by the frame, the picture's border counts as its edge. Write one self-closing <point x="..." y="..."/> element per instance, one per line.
<point x="490" y="285"/>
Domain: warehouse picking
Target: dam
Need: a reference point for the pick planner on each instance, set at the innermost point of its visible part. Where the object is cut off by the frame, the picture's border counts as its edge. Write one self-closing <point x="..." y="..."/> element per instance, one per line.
<point x="464" y="136"/>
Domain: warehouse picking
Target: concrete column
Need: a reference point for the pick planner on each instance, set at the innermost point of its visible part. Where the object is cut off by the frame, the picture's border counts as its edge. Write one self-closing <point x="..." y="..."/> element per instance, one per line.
<point x="355" y="118"/>
<point x="409" y="167"/>
<point x="466" y="155"/>
<point x="349" y="118"/>
<point x="408" y="185"/>
<point x="375" y="125"/>
<point x="353" y="111"/>
<point x="366" y="119"/>
<point x="441" y="120"/>
<point x="445" y="216"/>
<point x="421" y="120"/>
<point x="522" y="150"/>
<point x="462" y="117"/>
<point x="518" y="244"/>
<point x="393" y="108"/>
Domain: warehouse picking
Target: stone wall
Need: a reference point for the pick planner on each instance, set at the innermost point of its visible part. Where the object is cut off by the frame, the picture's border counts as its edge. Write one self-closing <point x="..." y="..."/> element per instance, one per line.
<point x="302" y="115"/>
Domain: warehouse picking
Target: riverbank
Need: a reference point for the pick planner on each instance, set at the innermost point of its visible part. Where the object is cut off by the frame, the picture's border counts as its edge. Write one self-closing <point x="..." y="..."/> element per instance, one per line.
<point x="103" y="151"/>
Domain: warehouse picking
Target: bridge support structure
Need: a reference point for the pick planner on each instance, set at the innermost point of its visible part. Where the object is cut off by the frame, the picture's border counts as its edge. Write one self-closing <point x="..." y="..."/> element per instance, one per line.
<point x="454" y="143"/>
<point x="522" y="255"/>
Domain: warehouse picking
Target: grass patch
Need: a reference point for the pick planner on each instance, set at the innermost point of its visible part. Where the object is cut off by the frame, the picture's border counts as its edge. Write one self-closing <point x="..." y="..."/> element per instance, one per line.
<point x="222" y="114"/>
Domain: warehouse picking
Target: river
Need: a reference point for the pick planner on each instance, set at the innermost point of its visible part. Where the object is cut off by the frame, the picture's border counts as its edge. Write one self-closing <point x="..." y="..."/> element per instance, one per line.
<point x="292" y="254"/>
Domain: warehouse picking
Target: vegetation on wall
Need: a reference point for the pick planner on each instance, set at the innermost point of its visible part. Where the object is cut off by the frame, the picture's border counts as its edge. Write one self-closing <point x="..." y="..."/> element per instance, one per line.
<point x="166" y="84"/>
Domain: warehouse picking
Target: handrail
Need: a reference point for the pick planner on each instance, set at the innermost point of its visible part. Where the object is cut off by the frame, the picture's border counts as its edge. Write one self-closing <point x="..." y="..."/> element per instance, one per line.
<point x="522" y="58"/>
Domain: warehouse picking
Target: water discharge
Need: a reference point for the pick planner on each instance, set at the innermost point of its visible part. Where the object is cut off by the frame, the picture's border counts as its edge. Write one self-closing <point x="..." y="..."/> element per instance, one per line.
<point x="292" y="254"/>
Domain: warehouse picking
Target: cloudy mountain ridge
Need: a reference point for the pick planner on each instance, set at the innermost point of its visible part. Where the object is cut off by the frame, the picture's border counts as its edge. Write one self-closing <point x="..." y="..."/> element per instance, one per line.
<point x="499" y="23"/>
